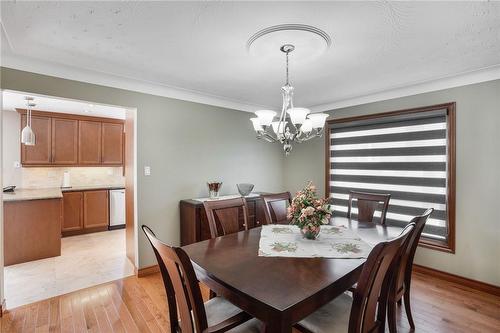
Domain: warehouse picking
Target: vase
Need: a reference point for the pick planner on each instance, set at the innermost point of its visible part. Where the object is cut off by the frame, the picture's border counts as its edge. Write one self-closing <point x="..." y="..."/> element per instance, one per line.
<point x="310" y="233"/>
<point x="213" y="189"/>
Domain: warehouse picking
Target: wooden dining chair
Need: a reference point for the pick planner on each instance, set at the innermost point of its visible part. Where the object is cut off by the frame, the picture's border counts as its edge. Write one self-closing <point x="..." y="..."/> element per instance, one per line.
<point x="400" y="287"/>
<point x="224" y="216"/>
<point x="275" y="207"/>
<point x="184" y="295"/>
<point x="367" y="205"/>
<point x="369" y="298"/>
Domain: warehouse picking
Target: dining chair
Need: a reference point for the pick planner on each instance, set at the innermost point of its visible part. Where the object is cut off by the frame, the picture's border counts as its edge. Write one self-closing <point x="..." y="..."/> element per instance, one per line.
<point x="400" y="287"/>
<point x="369" y="298"/>
<point x="224" y="216"/>
<point x="184" y="296"/>
<point x="275" y="207"/>
<point x="367" y="205"/>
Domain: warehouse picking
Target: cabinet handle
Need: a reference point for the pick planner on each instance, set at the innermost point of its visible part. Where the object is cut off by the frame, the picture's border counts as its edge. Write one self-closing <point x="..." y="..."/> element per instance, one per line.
<point x="257" y="222"/>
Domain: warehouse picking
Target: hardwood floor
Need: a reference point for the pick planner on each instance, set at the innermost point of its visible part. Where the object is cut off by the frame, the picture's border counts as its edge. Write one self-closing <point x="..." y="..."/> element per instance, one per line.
<point x="138" y="305"/>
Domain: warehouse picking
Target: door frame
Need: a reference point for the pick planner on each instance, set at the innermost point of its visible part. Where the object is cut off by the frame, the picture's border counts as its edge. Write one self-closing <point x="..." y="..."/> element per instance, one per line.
<point x="132" y="242"/>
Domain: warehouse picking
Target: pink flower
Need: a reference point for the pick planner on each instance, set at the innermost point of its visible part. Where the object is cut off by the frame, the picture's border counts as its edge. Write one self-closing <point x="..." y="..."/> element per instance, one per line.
<point x="308" y="211"/>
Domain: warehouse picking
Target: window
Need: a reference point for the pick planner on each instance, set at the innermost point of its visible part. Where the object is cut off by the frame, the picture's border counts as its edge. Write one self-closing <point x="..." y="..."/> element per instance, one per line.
<point x="409" y="154"/>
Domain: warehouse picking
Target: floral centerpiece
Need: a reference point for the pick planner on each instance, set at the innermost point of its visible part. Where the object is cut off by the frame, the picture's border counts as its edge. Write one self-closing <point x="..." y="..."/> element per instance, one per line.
<point x="309" y="212"/>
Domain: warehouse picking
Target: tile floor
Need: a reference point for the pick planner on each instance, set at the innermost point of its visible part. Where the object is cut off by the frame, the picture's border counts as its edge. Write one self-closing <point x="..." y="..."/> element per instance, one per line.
<point x="85" y="261"/>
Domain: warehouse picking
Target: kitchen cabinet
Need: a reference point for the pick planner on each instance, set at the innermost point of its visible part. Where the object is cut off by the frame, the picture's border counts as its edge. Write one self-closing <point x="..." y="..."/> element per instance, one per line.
<point x="95" y="209"/>
<point x="73" y="211"/>
<point x="89" y="142"/>
<point x="32" y="230"/>
<point x="112" y="137"/>
<point x="41" y="152"/>
<point x="85" y="212"/>
<point x="73" y="140"/>
<point x="64" y="141"/>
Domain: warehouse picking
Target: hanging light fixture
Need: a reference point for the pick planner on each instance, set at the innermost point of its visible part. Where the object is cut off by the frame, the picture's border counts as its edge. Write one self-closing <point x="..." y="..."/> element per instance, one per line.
<point x="294" y="124"/>
<point x="27" y="134"/>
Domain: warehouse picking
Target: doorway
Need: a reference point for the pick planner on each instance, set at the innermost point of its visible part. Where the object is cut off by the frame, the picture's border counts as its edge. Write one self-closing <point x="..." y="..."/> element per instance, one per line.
<point x="90" y="172"/>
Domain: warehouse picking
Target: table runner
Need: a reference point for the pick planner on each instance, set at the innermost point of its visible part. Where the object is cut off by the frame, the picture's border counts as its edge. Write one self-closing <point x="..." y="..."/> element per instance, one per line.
<point x="333" y="242"/>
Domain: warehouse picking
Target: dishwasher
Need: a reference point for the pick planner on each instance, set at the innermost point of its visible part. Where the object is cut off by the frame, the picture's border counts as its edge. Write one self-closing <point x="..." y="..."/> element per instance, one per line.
<point x="116" y="209"/>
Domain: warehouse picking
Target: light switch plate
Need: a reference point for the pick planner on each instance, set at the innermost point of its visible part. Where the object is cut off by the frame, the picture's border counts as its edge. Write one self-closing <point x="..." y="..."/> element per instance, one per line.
<point x="147" y="171"/>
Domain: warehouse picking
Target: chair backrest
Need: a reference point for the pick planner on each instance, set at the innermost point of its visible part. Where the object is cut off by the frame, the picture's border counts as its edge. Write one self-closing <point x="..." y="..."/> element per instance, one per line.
<point x="224" y="216"/>
<point x="275" y="207"/>
<point x="405" y="264"/>
<point x="367" y="204"/>
<point x="370" y="296"/>
<point x="181" y="285"/>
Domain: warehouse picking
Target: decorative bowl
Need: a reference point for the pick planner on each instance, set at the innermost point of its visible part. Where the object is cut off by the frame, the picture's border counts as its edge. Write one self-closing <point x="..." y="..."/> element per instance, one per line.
<point x="244" y="189"/>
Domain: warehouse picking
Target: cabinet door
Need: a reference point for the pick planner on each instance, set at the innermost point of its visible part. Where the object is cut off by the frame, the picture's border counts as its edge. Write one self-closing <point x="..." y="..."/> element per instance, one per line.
<point x="112" y="143"/>
<point x="64" y="141"/>
<point x="89" y="142"/>
<point x="41" y="152"/>
<point x="73" y="211"/>
<point x="95" y="206"/>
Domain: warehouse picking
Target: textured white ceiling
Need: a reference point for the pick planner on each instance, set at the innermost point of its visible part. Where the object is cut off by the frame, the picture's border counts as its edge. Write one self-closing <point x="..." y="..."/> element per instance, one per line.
<point x="200" y="46"/>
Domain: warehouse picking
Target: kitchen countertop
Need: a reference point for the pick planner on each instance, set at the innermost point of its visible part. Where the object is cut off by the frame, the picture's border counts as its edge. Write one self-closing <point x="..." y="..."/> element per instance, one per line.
<point x="32" y="194"/>
<point x="92" y="187"/>
<point x="23" y="194"/>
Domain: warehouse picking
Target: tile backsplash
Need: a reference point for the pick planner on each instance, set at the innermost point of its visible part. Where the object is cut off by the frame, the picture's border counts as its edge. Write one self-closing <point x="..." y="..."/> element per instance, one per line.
<point x="81" y="176"/>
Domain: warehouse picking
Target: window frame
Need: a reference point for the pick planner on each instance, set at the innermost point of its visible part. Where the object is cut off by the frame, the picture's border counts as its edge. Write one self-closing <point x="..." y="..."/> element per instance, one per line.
<point x="445" y="246"/>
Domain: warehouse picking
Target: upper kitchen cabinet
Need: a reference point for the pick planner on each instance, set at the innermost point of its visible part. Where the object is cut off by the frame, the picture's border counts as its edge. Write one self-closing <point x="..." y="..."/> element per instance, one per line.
<point x="112" y="137"/>
<point x="73" y="140"/>
<point x="89" y="142"/>
<point x="64" y="141"/>
<point x="41" y="152"/>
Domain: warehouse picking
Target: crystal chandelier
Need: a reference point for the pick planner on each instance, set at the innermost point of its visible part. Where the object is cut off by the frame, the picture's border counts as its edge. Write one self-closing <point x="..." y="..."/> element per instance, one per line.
<point x="294" y="124"/>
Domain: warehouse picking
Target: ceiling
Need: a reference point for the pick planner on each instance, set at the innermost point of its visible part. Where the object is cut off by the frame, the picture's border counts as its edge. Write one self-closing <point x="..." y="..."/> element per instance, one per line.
<point x="12" y="100"/>
<point x="197" y="50"/>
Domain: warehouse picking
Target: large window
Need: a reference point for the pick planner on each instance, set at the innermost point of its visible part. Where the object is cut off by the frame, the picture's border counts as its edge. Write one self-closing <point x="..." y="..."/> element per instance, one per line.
<point x="409" y="154"/>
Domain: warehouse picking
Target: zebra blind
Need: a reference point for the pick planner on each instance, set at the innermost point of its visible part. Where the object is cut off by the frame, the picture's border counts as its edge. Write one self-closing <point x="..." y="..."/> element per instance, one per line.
<point x="404" y="155"/>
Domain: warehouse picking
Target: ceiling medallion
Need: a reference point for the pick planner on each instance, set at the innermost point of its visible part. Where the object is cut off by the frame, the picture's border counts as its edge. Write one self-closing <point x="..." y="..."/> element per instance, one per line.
<point x="294" y="124"/>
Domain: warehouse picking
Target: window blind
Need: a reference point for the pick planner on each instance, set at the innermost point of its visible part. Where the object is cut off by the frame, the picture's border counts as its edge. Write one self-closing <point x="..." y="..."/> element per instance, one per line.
<point x="403" y="155"/>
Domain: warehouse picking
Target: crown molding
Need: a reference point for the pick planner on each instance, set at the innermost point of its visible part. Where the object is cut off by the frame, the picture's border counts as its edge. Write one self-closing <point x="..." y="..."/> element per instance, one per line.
<point x="115" y="81"/>
<point x="89" y="76"/>
<point x="482" y="75"/>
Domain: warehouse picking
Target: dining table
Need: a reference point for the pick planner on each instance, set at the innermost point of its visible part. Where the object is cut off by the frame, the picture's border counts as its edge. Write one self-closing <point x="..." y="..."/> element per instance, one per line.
<point x="279" y="291"/>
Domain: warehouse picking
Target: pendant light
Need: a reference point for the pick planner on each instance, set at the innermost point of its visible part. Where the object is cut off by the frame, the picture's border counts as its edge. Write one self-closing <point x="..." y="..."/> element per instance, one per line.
<point x="27" y="134"/>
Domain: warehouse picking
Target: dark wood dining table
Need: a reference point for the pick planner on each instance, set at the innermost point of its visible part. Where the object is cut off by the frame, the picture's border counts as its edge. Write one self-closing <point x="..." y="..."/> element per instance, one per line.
<point x="278" y="291"/>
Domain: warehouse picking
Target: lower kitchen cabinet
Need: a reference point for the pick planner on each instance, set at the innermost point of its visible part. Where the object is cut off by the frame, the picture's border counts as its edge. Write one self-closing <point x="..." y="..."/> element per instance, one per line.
<point x="32" y="230"/>
<point x="95" y="209"/>
<point x="85" y="211"/>
<point x="73" y="211"/>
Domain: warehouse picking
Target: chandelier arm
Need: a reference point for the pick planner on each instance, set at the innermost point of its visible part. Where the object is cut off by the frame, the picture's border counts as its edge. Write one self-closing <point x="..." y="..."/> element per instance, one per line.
<point x="268" y="137"/>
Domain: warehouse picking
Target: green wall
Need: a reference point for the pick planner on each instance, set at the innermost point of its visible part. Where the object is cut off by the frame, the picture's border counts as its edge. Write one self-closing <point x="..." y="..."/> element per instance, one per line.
<point x="478" y="175"/>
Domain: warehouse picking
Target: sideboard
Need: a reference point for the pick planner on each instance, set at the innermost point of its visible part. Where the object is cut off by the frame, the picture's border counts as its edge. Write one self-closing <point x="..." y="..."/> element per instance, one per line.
<point x="194" y="223"/>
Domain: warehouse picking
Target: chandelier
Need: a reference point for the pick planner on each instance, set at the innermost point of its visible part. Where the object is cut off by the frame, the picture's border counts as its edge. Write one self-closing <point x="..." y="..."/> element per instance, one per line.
<point x="294" y="124"/>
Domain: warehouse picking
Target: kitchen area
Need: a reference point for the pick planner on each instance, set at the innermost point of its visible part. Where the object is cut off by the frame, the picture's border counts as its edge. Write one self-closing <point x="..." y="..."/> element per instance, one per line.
<point x="63" y="196"/>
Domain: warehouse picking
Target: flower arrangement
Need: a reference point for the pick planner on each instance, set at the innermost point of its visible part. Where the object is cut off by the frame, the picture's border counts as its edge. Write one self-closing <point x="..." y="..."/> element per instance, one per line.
<point x="309" y="212"/>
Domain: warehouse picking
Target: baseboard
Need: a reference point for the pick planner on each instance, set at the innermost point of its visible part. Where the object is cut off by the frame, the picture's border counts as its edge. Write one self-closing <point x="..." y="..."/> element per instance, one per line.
<point x="141" y="272"/>
<point x="116" y="227"/>
<point x="2" y="308"/>
<point x="474" y="284"/>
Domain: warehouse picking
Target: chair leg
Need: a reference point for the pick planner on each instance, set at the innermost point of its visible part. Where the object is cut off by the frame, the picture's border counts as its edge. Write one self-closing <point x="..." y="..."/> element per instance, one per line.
<point x="408" y="308"/>
<point x="391" y="316"/>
